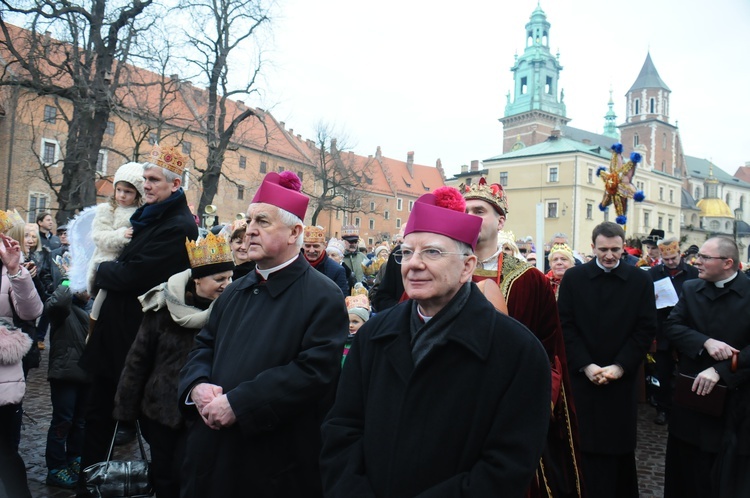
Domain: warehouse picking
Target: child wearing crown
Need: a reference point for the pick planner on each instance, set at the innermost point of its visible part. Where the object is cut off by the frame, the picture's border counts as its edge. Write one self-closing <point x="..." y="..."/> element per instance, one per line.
<point x="111" y="229"/>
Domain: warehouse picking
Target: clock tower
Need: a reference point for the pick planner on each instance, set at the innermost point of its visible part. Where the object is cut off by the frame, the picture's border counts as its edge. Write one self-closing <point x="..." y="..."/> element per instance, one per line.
<point x="534" y="109"/>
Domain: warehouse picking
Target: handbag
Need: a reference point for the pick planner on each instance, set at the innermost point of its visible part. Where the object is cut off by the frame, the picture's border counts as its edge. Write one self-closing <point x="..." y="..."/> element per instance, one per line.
<point x="117" y="478"/>
<point x="710" y="404"/>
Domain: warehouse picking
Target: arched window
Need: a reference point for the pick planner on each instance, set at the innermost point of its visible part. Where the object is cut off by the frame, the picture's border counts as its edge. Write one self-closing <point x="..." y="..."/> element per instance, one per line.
<point x="635" y="140"/>
<point x="637" y="106"/>
<point x="729" y="199"/>
<point x="714" y="225"/>
<point x="664" y="141"/>
<point x="652" y="105"/>
<point x="697" y="193"/>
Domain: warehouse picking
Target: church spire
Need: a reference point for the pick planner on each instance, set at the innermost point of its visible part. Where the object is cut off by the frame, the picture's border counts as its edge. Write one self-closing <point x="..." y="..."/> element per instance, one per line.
<point x="610" y="124"/>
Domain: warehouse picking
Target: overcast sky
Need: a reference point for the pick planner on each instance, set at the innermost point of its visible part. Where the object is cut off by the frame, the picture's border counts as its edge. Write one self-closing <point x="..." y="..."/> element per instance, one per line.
<point x="431" y="76"/>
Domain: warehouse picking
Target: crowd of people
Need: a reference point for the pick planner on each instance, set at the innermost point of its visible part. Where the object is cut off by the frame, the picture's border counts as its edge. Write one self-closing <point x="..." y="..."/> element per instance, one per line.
<point x="440" y="363"/>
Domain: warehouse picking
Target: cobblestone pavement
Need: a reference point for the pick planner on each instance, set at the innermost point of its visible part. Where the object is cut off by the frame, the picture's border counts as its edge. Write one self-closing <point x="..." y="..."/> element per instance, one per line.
<point x="652" y="441"/>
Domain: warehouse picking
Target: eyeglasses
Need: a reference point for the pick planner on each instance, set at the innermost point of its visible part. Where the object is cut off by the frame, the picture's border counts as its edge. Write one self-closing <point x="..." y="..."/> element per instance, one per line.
<point x="703" y="257"/>
<point x="405" y="255"/>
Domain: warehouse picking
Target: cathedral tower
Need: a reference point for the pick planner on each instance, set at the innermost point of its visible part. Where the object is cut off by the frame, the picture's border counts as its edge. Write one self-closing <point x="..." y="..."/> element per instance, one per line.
<point x="535" y="109"/>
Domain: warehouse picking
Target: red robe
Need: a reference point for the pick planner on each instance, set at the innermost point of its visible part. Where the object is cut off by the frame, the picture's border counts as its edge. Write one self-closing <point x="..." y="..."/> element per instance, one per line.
<point x="532" y="302"/>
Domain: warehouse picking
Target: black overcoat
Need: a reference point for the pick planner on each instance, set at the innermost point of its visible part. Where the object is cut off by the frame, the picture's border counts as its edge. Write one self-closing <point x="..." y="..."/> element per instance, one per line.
<point x="275" y="349"/>
<point x="470" y="420"/>
<point x="607" y="319"/>
<point x="156" y="252"/>
<point x="705" y="311"/>
<point x="659" y="272"/>
<point x="335" y="272"/>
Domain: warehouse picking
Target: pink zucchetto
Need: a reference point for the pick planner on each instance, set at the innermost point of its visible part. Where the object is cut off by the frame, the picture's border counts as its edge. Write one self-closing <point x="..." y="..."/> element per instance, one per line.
<point x="283" y="191"/>
<point x="442" y="212"/>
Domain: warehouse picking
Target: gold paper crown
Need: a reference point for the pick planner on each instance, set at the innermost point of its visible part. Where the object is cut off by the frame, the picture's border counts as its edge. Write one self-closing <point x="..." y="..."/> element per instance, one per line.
<point x="314" y="235"/>
<point x="10" y="219"/>
<point x="208" y="251"/>
<point x="358" y="301"/>
<point x="349" y="231"/>
<point x="494" y="194"/>
<point x="563" y="248"/>
<point x="168" y="158"/>
<point x="669" y="249"/>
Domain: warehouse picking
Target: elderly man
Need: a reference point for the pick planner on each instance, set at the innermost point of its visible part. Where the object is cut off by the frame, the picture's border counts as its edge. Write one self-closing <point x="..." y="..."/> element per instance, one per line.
<point x="155" y="253"/>
<point x="314" y="248"/>
<point x="531" y="301"/>
<point x="678" y="272"/>
<point x="354" y="259"/>
<point x="429" y="402"/>
<point x="608" y="317"/>
<point x="707" y="455"/>
<point x="262" y="373"/>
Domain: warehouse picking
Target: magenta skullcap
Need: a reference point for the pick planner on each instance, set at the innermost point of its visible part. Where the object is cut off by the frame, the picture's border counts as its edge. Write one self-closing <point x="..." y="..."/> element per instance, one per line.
<point x="283" y="191"/>
<point x="442" y="212"/>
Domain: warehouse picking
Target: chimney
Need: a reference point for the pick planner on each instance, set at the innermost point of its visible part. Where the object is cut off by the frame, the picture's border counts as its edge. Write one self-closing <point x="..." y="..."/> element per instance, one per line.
<point x="474" y="165"/>
<point x="291" y="131"/>
<point x="282" y="124"/>
<point x="174" y="77"/>
<point x="464" y="168"/>
<point x="241" y="103"/>
<point x="410" y="163"/>
<point x="555" y="134"/>
<point x="378" y="153"/>
<point x="333" y="144"/>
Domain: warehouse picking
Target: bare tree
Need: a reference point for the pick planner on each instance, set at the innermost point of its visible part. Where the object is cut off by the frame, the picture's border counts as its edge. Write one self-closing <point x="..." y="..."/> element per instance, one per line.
<point x="340" y="177"/>
<point x="79" y="66"/>
<point x="223" y="35"/>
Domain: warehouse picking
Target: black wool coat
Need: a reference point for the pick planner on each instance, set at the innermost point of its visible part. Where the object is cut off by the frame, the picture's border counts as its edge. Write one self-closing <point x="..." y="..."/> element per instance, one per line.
<point x="69" y="325"/>
<point x="155" y="253"/>
<point x="705" y="311"/>
<point x="275" y="349"/>
<point x="335" y="272"/>
<point x="607" y="319"/>
<point x="470" y="420"/>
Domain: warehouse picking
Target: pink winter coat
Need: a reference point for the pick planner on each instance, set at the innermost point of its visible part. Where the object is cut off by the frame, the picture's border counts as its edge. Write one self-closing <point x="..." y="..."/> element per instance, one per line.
<point x="14" y="344"/>
<point x="22" y="293"/>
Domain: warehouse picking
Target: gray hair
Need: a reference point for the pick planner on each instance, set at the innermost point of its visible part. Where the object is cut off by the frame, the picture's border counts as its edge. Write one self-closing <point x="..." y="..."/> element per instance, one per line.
<point x="169" y="175"/>
<point x="291" y="220"/>
<point x="463" y="247"/>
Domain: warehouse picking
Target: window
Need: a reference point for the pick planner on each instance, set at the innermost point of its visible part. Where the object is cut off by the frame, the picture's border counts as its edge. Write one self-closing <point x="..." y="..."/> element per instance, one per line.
<point x="110" y="129"/>
<point x="635" y="140"/>
<point x="524" y="85"/>
<point x="652" y="105"/>
<point x="664" y="141"/>
<point x="240" y="192"/>
<point x="411" y="205"/>
<point x="639" y="185"/>
<point x="551" y="209"/>
<point x="301" y="175"/>
<point x="661" y="194"/>
<point x="281" y="168"/>
<point x="358" y="203"/>
<point x="590" y="177"/>
<point x="552" y="174"/>
<point x="101" y="162"/>
<point x="372" y="224"/>
<point x="468" y="181"/>
<point x="372" y="205"/>
<point x="370" y="241"/>
<point x="37" y="203"/>
<point x="504" y="178"/>
<point x="637" y="106"/>
<point x="357" y="221"/>
<point x="387" y="215"/>
<point x="589" y="211"/>
<point x="49" y="152"/>
<point x="670" y="225"/>
<point x="186" y="148"/>
<point x="660" y="223"/>
<point x="398" y="222"/>
<point x="715" y="225"/>
<point x="186" y="179"/>
<point x="243" y="162"/>
<point x="399" y="204"/>
<point x="697" y="193"/>
<point x="729" y="200"/>
<point x="548" y="86"/>
<point x="671" y="196"/>
<point x="646" y="219"/>
<point x="50" y="113"/>
<point x="263" y="167"/>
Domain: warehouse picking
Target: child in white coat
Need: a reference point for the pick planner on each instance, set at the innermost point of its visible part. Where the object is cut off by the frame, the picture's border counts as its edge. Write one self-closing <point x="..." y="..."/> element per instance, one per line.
<point x="111" y="229"/>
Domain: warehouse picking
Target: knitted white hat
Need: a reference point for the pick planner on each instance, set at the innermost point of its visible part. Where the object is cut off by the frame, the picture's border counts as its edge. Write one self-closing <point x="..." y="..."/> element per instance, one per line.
<point x="131" y="173"/>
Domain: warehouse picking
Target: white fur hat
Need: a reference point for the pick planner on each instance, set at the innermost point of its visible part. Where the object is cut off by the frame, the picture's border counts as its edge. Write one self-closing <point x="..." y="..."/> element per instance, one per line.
<point x="131" y="173"/>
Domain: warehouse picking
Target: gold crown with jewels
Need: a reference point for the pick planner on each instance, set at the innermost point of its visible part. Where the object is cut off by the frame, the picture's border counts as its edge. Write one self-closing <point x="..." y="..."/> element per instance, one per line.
<point x="168" y="158"/>
<point x="10" y="219"/>
<point x="209" y="250"/>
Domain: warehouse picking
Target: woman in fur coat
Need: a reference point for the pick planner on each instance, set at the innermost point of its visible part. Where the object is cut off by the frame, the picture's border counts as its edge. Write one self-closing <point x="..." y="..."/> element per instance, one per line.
<point x="175" y="312"/>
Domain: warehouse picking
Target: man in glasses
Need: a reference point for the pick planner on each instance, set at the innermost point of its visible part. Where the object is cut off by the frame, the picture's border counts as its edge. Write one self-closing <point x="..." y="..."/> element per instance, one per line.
<point x="678" y="272"/>
<point x="440" y="395"/>
<point x="709" y="324"/>
<point x="608" y="316"/>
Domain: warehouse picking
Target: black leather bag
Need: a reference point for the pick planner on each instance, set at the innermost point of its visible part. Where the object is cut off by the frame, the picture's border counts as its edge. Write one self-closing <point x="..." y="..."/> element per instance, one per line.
<point x="120" y="479"/>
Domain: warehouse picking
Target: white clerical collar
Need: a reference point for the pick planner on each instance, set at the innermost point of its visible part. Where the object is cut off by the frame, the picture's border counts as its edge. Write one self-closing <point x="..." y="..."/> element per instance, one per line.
<point x="424" y="317"/>
<point x="721" y="283"/>
<point x="606" y="270"/>
<point x="266" y="273"/>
